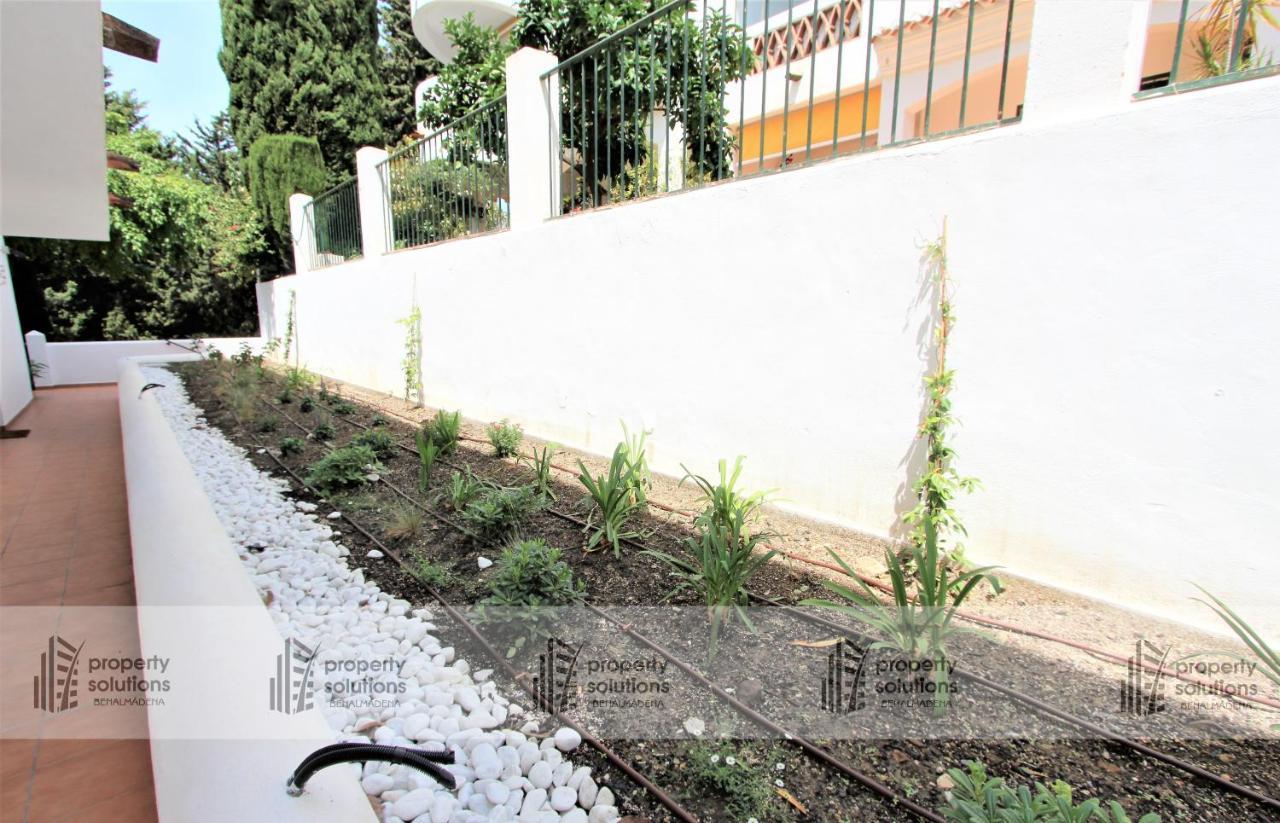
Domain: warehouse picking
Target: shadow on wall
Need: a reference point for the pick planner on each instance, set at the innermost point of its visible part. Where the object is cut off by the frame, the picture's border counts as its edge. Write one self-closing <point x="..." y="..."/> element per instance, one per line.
<point x="914" y="460"/>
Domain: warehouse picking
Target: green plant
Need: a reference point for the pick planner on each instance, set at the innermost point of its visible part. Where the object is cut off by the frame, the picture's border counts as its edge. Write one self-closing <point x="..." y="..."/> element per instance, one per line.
<point x="505" y="437"/>
<point x="979" y="798"/>
<point x="343" y="468"/>
<point x="306" y="404"/>
<point x="613" y="498"/>
<point x="497" y="513"/>
<point x="406" y="522"/>
<point x="444" y="430"/>
<point x="341" y="405"/>
<point x="411" y="363"/>
<point x="433" y="574"/>
<point x="463" y="488"/>
<point x="284" y="396"/>
<point x="289" y="320"/>
<point x="428" y="451"/>
<point x="641" y="479"/>
<point x="323" y="431"/>
<point x="530" y="573"/>
<point x="280" y="165"/>
<point x="540" y="462"/>
<point x="298" y="380"/>
<point x="269" y="423"/>
<point x="379" y="420"/>
<point x="36" y="369"/>
<point x="919" y="623"/>
<point x="378" y="439"/>
<point x="746" y="788"/>
<point x="723" y="556"/>
<point x="1220" y="36"/>
<point x="940" y="482"/>
<point x="291" y="445"/>
<point x="1266" y="655"/>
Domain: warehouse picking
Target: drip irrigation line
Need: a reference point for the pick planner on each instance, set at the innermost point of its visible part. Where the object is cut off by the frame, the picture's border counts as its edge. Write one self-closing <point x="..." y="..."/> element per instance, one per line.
<point x="1062" y="715"/>
<point x="671" y="804"/>
<point x="989" y="622"/>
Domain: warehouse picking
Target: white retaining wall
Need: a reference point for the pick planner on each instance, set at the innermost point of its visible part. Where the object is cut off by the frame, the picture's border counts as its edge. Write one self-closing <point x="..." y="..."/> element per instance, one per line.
<point x="1116" y="291"/>
<point x="70" y="364"/>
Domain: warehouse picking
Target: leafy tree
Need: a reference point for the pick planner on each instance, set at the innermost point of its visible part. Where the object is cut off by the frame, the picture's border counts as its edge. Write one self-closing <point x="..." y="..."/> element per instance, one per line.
<point x="182" y="260"/>
<point x="302" y="67"/>
<point x="405" y="64"/>
<point x="279" y="166"/>
<point x="675" y="64"/>
<point x="210" y="153"/>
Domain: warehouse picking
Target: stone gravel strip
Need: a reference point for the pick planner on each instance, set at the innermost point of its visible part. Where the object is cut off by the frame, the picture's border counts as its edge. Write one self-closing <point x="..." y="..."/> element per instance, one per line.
<point x="380" y="672"/>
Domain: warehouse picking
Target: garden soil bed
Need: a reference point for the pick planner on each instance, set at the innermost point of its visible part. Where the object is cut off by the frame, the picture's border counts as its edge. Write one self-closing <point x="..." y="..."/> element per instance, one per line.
<point x="1029" y="749"/>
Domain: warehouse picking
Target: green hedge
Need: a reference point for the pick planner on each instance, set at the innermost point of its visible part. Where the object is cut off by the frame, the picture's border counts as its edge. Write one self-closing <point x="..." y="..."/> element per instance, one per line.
<point x="281" y="165"/>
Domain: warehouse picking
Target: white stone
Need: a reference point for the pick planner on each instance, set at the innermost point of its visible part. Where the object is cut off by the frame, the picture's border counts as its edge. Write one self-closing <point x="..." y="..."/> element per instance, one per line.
<point x="563" y="798"/>
<point x="377" y="783"/>
<point x="540" y="774"/>
<point x="567" y="739"/>
<point x="483" y="562"/>
<point x="413" y="804"/>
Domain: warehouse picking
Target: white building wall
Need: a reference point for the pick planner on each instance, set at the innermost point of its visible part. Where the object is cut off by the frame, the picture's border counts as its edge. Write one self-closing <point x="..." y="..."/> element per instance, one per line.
<point x="15" y="380"/>
<point x="1116" y="297"/>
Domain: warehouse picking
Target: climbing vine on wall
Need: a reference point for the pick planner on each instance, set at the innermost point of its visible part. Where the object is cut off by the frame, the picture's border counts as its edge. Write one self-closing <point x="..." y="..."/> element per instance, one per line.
<point x="940" y="482"/>
<point x="412" y="362"/>
<point x="288" y="324"/>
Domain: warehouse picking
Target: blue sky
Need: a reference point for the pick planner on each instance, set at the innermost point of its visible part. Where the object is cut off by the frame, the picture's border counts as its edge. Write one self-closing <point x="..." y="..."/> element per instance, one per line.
<point x="187" y="82"/>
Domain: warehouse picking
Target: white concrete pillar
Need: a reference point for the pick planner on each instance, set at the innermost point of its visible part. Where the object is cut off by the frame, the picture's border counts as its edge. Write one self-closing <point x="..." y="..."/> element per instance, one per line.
<point x="301" y="232"/>
<point x="38" y="352"/>
<point x="533" y="138"/>
<point x="1085" y="57"/>
<point x="375" y="202"/>
<point x="668" y="148"/>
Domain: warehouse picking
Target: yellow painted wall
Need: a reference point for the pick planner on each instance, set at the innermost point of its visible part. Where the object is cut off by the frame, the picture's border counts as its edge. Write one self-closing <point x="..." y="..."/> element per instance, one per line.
<point x="824" y="115"/>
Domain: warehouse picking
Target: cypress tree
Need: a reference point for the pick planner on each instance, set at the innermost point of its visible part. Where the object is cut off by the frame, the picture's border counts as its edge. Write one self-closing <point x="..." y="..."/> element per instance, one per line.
<point x="308" y="68"/>
<point x="279" y="166"/>
<point x="405" y="64"/>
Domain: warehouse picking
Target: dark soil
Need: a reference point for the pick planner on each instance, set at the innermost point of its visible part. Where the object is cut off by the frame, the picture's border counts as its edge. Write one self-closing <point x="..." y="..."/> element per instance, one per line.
<point x="908" y="754"/>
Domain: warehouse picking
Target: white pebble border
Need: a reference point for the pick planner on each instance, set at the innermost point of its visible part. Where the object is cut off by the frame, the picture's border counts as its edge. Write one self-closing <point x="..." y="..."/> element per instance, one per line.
<point x="505" y="775"/>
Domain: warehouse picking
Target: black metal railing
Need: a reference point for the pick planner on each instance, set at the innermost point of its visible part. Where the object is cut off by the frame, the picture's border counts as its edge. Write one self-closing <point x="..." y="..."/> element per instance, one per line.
<point x="450" y="183"/>
<point x="334" y="218"/>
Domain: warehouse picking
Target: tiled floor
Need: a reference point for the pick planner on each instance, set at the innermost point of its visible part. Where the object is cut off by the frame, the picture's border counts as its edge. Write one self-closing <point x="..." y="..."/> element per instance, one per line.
<point x="65" y="529"/>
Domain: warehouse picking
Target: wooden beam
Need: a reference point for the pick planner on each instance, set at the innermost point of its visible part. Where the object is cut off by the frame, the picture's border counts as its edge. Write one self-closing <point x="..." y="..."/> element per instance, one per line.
<point x="119" y="161"/>
<point x="118" y="35"/>
<point x="118" y="201"/>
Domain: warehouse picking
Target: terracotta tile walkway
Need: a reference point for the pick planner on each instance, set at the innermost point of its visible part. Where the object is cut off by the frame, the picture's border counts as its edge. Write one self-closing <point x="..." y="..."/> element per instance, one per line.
<point x="64" y="524"/>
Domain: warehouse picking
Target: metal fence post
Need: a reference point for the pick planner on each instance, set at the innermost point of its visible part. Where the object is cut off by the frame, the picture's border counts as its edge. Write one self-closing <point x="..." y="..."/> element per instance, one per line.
<point x="301" y="232"/>
<point x="533" y="137"/>
<point x="375" y="202"/>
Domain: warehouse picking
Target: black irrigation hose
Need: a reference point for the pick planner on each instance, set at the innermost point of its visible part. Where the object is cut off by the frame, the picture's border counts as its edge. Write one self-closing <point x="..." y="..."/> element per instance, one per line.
<point x="671" y="804"/>
<point x="424" y="761"/>
<point x="1026" y="699"/>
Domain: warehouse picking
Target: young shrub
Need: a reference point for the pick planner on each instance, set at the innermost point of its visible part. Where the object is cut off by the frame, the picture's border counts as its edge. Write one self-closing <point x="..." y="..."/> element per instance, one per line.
<point x="463" y="488"/>
<point x="433" y="574"/>
<point x="298" y="380"/>
<point x="269" y="423"/>
<point x="747" y="789"/>
<point x="406" y="522"/>
<point x="323" y="431"/>
<point x="540" y="462"/>
<point x="612" y="495"/>
<point x="285" y="396"/>
<point x="505" y="437"/>
<point x="498" y="513"/>
<point x="529" y="573"/>
<point x="379" y="420"/>
<point x="1268" y="659"/>
<point x="723" y="556"/>
<point x="378" y="439"/>
<point x="919" y="622"/>
<point x="979" y="798"/>
<point x="342" y="406"/>
<point x="291" y="445"/>
<point x="633" y="447"/>
<point x="343" y="468"/>
<point x="428" y="451"/>
<point x="444" y="430"/>
<point x="306" y="404"/>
